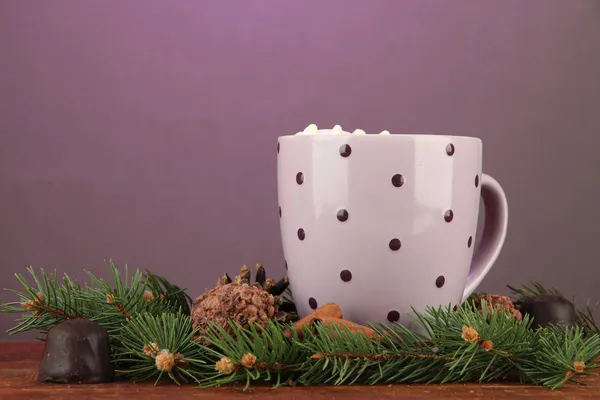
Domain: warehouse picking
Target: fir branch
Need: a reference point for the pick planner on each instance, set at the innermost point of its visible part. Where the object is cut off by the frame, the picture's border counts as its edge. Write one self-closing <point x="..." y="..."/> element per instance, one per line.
<point x="46" y="301"/>
<point x="167" y="292"/>
<point x="586" y="319"/>
<point x="558" y="356"/>
<point x="343" y="357"/>
<point x="252" y="354"/>
<point x="154" y="346"/>
<point x="463" y="345"/>
<point x="152" y="336"/>
<point x="120" y="298"/>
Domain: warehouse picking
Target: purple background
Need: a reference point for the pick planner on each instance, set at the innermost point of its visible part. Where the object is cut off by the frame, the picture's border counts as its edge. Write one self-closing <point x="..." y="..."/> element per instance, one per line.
<point x="145" y="131"/>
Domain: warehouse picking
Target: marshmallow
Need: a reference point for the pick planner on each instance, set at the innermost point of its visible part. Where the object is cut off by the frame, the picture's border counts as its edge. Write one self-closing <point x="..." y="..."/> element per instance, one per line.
<point x="309" y="130"/>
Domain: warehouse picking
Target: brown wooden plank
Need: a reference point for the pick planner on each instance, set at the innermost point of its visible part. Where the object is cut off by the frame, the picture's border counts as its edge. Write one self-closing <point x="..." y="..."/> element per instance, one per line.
<point x="18" y="365"/>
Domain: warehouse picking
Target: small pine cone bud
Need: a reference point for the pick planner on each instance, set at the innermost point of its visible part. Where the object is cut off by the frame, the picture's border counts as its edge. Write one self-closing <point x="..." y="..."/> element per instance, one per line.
<point x="148" y="296"/>
<point x="109" y="298"/>
<point x="225" y="366"/>
<point x="568" y="373"/>
<point x="165" y="361"/>
<point x="469" y="334"/>
<point x="32" y="304"/>
<point x="151" y="349"/>
<point x="29" y="305"/>
<point x="248" y="360"/>
<point x="487" y="345"/>
<point x="162" y="297"/>
<point x="578" y="366"/>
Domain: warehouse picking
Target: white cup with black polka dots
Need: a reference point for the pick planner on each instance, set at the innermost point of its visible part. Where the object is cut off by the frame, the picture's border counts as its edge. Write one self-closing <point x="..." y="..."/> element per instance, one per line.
<point x="381" y="223"/>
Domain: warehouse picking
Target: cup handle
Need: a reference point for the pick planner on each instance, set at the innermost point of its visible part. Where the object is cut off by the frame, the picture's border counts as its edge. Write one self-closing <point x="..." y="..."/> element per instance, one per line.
<point x="494" y="233"/>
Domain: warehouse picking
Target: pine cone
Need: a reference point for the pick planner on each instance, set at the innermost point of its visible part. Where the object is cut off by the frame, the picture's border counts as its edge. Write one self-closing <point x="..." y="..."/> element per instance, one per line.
<point x="285" y="310"/>
<point x="260" y="280"/>
<point x="498" y="303"/>
<point x="234" y="301"/>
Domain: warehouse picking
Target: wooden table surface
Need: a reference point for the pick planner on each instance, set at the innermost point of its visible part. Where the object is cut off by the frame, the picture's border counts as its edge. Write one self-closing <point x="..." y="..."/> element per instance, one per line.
<point x="19" y="361"/>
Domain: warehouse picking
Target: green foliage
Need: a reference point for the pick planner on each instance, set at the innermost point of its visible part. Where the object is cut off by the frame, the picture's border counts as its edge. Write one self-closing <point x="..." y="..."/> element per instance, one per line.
<point x="46" y="300"/>
<point x="441" y="355"/>
<point x="279" y="357"/>
<point x="459" y="346"/>
<point x="176" y="297"/>
<point x="141" y="341"/>
<point x="153" y="337"/>
<point x="554" y="355"/>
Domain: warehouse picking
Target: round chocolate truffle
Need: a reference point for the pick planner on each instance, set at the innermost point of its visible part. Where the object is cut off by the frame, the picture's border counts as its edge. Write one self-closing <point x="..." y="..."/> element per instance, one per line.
<point x="549" y="310"/>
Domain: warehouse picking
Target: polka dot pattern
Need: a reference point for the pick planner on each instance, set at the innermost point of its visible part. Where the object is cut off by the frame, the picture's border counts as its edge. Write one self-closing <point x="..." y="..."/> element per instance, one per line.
<point x="448" y="216"/>
<point x="345" y="150"/>
<point x="439" y="282"/>
<point x="346" y="275"/>
<point x="395" y="244"/>
<point x="342" y="215"/>
<point x="301" y="234"/>
<point x="393" y="316"/>
<point x="397" y="180"/>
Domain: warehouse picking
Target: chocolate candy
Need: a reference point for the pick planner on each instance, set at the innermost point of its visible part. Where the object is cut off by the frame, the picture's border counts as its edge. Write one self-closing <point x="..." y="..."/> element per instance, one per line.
<point x="77" y="351"/>
<point x="549" y="309"/>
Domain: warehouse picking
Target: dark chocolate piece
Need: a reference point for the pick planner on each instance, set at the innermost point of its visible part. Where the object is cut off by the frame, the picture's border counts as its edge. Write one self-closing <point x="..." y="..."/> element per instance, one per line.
<point x="549" y="310"/>
<point x="77" y="351"/>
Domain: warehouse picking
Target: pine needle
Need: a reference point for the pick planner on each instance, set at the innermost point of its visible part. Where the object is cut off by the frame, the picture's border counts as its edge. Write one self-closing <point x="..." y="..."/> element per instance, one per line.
<point x="153" y="339"/>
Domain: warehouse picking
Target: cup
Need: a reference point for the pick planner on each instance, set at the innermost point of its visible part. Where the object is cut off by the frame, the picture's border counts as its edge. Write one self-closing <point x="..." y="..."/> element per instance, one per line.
<point x="384" y="223"/>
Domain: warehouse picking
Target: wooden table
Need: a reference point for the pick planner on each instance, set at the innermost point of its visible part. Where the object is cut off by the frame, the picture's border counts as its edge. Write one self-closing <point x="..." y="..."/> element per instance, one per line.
<point x="18" y="366"/>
